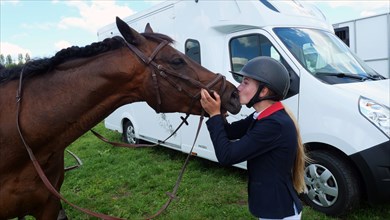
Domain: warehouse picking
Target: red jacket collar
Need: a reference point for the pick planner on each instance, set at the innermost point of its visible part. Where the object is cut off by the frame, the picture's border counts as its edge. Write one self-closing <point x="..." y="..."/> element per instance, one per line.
<point x="270" y="110"/>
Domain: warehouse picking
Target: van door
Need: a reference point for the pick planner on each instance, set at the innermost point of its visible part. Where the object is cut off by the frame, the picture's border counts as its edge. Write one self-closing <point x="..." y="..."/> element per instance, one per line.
<point x="155" y="127"/>
<point x="245" y="45"/>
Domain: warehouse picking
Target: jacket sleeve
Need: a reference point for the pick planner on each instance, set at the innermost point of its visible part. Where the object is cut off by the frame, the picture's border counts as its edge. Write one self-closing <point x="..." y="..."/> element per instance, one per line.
<point x="256" y="141"/>
<point x="238" y="129"/>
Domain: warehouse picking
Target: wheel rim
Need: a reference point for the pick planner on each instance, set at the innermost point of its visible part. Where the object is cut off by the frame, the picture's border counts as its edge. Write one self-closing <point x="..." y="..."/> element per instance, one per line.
<point x="130" y="135"/>
<point x="322" y="185"/>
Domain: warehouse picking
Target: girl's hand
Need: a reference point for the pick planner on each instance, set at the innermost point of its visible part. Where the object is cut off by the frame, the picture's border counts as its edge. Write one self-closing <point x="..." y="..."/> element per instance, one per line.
<point x="210" y="105"/>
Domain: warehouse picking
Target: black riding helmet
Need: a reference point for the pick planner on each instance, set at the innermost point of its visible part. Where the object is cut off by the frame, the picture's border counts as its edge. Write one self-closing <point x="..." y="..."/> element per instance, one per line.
<point x="269" y="72"/>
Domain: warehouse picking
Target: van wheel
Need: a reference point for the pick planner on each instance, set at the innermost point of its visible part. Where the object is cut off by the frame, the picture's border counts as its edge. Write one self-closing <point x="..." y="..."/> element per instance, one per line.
<point x="128" y="134"/>
<point x="332" y="184"/>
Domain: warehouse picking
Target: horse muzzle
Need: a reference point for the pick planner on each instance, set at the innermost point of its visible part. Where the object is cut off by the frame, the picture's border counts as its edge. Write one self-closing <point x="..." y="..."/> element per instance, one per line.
<point x="231" y="101"/>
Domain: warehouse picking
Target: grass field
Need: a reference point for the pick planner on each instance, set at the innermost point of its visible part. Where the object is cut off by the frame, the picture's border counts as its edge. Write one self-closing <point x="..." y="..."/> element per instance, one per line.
<point x="131" y="184"/>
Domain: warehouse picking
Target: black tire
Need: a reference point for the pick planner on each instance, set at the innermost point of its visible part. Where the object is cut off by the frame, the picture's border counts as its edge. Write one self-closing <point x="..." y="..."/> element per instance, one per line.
<point x="332" y="183"/>
<point x="128" y="135"/>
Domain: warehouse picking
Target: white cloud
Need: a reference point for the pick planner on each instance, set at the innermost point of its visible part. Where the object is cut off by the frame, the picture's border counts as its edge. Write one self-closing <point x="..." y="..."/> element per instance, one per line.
<point x="62" y="45"/>
<point x="366" y="8"/>
<point x="94" y="15"/>
<point x="39" y="26"/>
<point x="154" y="2"/>
<point x="9" y="1"/>
<point x="12" y="49"/>
<point x="360" y="4"/>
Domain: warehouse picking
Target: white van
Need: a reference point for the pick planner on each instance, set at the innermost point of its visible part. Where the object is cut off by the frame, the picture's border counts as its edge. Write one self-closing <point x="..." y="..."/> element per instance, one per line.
<point x="342" y="105"/>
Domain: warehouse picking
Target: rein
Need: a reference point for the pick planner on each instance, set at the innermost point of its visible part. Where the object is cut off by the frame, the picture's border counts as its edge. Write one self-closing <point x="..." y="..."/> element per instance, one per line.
<point x="78" y="161"/>
<point x="38" y="167"/>
<point x="163" y="73"/>
<point x="172" y="195"/>
<point x="126" y="145"/>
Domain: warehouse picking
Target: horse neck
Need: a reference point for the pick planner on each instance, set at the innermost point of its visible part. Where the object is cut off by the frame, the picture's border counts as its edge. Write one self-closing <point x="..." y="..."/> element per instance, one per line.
<point x="74" y="98"/>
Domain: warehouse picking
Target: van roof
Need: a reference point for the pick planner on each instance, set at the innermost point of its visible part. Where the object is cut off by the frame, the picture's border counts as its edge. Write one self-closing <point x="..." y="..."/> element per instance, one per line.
<point x="231" y="16"/>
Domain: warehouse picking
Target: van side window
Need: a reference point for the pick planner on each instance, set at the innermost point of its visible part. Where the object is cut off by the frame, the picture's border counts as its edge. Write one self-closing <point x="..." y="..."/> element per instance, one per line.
<point x="192" y="49"/>
<point x="343" y="34"/>
<point x="246" y="47"/>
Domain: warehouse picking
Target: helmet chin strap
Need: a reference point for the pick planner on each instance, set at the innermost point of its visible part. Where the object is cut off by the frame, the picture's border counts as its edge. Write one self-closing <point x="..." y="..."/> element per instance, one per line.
<point x="255" y="99"/>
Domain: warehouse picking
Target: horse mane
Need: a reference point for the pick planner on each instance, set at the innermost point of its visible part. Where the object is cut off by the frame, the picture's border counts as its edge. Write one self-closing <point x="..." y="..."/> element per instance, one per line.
<point x="44" y="65"/>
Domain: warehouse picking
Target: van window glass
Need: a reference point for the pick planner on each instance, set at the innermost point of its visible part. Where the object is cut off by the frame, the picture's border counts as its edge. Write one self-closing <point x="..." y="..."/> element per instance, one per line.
<point x="343" y="34"/>
<point x="246" y="47"/>
<point x="325" y="56"/>
<point x="192" y="49"/>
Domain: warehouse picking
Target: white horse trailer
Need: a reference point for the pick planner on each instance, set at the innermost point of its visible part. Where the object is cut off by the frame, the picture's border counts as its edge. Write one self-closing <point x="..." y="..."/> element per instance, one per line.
<point x="342" y="105"/>
<point x="369" y="38"/>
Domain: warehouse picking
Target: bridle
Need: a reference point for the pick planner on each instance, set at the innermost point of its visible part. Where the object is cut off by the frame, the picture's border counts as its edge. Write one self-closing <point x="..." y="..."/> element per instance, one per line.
<point x="159" y="70"/>
<point x="164" y="73"/>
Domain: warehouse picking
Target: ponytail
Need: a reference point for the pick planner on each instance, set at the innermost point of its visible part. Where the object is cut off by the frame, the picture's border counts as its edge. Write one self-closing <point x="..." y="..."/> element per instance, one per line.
<point x="298" y="171"/>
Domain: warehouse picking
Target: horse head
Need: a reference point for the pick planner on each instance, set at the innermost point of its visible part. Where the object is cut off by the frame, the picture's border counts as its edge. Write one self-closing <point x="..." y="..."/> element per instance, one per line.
<point x="173" y="81"/>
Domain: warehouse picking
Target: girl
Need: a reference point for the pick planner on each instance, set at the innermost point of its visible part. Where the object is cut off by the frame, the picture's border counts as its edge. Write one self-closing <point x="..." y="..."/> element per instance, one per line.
<point x="268" y="140"/>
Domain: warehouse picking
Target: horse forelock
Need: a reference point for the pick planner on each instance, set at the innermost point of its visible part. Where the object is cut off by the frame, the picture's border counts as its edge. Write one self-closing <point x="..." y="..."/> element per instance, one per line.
<point x="44" y="65"/>
<point x="157" y="37"/>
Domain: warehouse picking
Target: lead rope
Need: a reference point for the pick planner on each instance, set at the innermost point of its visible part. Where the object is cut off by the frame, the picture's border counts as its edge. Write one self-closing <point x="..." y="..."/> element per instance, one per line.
<point x="120" y="144"/>
<point x="78" y="161"/>
<point x="127" y="145"/>
<point x="172" y="195"/>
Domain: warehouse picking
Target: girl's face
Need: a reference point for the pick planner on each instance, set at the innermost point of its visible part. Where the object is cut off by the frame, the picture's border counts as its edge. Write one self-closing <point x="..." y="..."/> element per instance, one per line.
<point x="247" y="89"/>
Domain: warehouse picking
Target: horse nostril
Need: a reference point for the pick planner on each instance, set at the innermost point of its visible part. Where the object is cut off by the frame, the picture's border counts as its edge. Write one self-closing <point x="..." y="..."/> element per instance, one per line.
<point x="235" y="95"/>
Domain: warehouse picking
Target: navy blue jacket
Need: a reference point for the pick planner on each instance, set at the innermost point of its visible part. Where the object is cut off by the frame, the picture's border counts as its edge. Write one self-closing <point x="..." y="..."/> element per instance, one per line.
<point x="269" y="146"/>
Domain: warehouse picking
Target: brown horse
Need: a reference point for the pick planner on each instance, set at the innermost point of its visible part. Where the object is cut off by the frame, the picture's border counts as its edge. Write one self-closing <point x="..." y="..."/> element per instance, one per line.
<point x="65" y="96"/>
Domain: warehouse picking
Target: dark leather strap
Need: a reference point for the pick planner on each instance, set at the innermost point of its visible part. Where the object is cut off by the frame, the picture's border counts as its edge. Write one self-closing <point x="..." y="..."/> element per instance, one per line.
<point x="78" y="160"/>
<point x="121" y="144"/>
<point x="38" y="167"/>
<point x="172" y="195"/>
<point x="159" y="70"/>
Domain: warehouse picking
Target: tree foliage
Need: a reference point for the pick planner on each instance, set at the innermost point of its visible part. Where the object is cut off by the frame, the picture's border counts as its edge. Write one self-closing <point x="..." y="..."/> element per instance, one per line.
<point x="7" y="60"/>
<point x="2" y="59"/>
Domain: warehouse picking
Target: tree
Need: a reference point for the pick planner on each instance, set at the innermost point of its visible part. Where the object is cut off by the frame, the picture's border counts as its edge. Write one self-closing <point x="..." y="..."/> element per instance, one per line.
<point x="8" y="60"/>
<point x="20" y="59"/>
<point x="2" y="59"/>
<point x="27" y="58"/>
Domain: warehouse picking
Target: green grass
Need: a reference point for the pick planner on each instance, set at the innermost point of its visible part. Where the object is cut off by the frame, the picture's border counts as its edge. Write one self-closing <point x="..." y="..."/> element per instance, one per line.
<point x="131" y="184"/>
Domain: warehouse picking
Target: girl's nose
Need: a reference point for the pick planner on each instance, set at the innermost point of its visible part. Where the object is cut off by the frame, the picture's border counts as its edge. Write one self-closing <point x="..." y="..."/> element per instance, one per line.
<point x="239" y="88"/>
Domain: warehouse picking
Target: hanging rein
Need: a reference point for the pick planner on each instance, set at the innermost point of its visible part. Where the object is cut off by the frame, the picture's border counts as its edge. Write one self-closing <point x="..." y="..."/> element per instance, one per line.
<point x="165" y="73"/>
<point x="157" y="69"/>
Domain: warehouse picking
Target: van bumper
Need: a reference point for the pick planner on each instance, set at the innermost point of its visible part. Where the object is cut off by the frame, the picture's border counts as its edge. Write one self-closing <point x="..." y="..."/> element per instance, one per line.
<point x="374" y="166"/>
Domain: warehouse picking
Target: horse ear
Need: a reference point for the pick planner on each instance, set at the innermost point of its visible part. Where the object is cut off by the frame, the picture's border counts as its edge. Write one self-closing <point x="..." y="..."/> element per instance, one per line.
<point x="148" y="28"/>
<point x="128" y="33"/>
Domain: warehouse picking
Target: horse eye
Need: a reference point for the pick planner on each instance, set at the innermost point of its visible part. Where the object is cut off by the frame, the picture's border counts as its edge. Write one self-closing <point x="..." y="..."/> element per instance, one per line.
<point x="178" y="61"/>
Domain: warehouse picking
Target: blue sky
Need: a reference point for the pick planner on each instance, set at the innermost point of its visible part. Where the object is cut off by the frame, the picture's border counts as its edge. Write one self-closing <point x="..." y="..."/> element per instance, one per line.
<point x="43" y="27"/>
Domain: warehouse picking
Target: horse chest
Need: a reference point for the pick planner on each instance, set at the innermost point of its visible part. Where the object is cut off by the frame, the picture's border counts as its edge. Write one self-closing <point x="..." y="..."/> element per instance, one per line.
<point x="23" y="193"/>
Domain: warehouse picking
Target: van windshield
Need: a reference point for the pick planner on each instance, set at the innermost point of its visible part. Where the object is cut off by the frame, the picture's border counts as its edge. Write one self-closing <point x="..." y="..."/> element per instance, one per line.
<point x="325" y="56"/>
